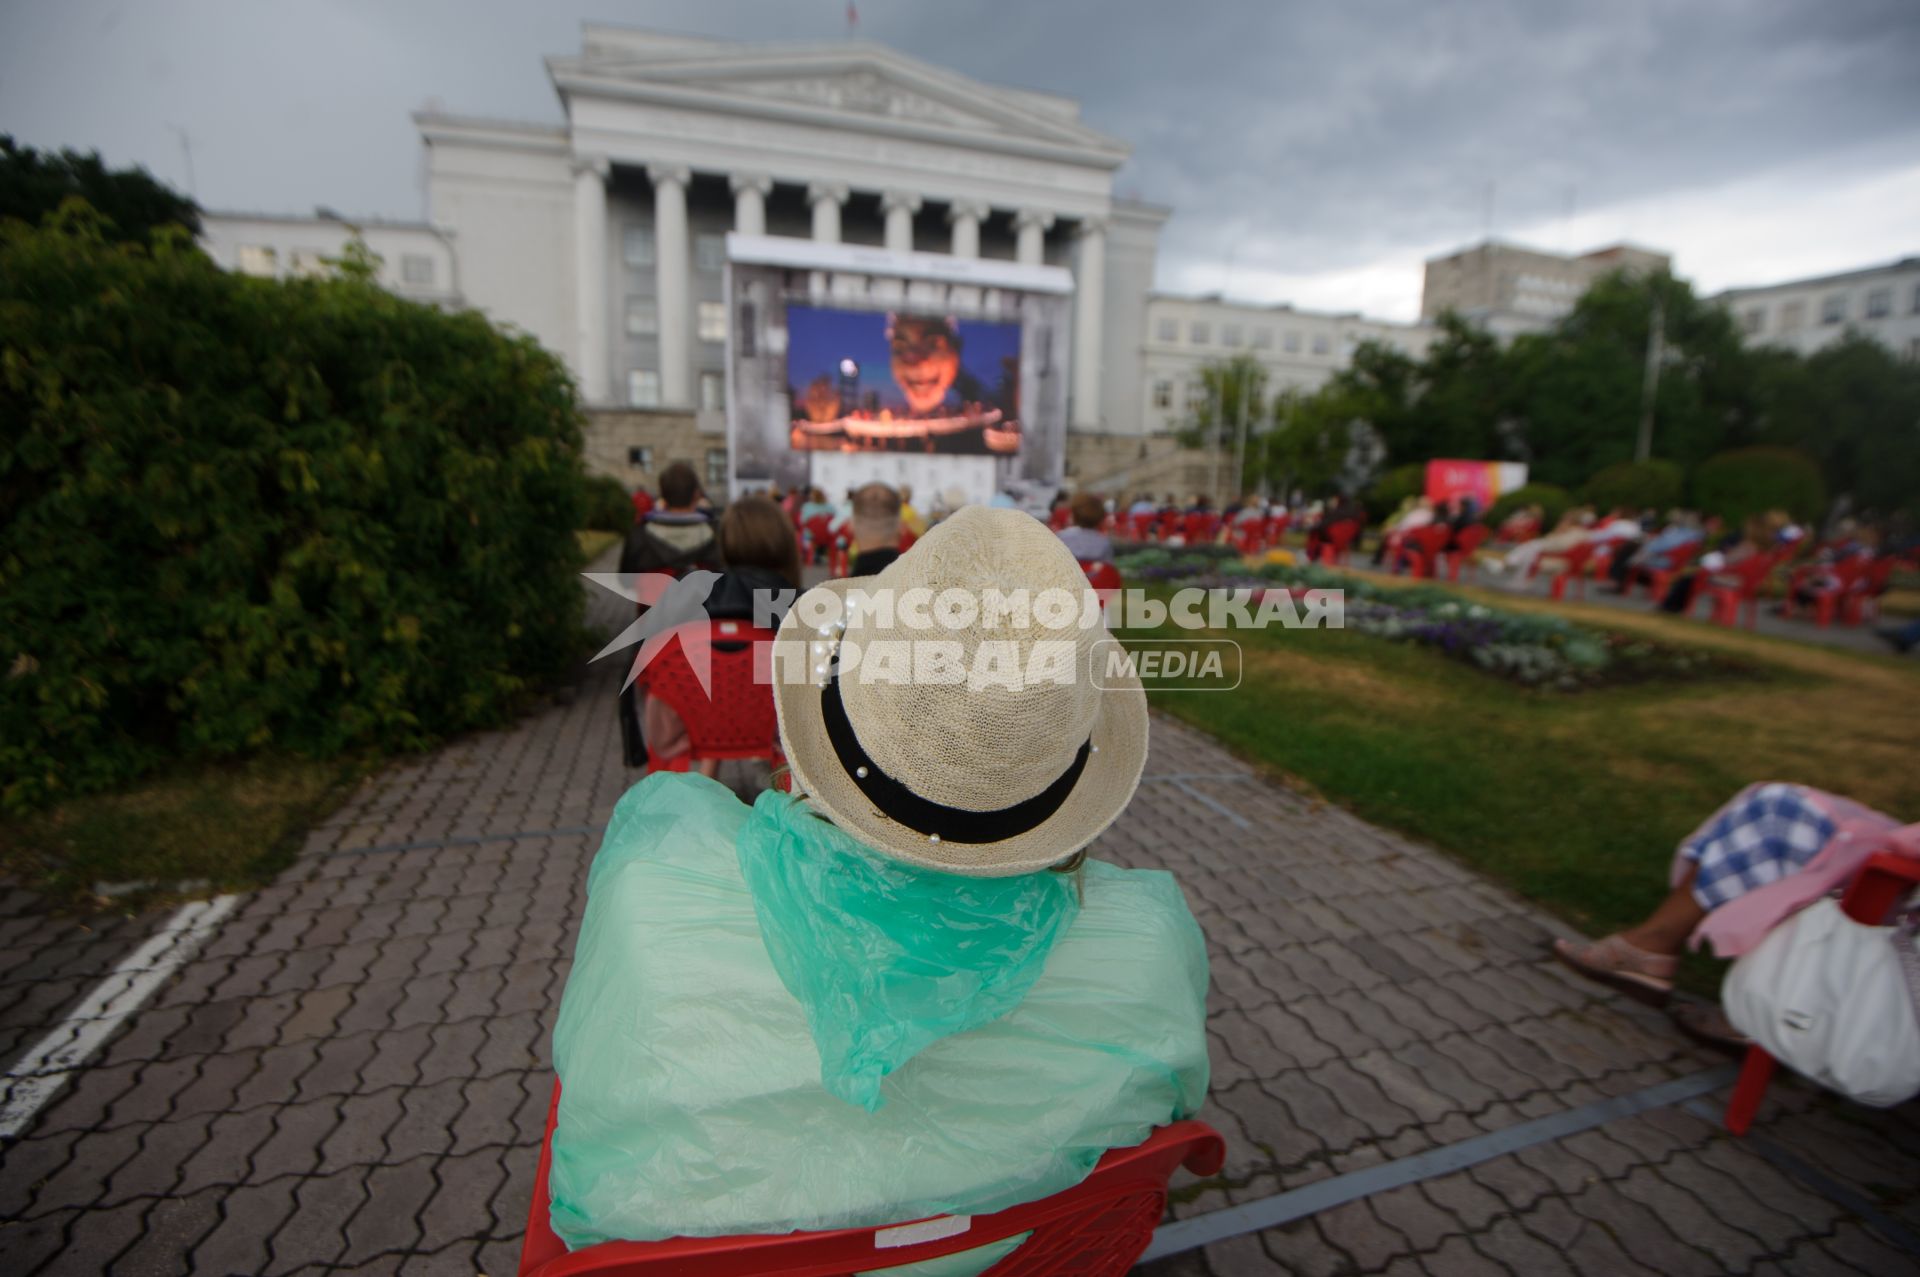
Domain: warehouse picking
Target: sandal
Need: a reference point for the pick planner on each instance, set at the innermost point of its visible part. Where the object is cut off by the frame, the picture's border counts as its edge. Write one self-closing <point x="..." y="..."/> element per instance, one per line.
<point x="1611" y="960"/>
<point x="1707" y="1022"/>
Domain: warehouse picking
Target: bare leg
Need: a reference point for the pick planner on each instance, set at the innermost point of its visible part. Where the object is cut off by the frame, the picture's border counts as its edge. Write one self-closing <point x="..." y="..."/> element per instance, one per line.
<point x="1668" y="926"/>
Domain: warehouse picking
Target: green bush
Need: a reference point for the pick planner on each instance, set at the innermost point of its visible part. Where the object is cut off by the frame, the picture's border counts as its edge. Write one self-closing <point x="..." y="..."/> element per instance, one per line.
<point x="238" y="512"/>
<point x="1393" y="487"/>
<point x="1635" y="485"/>
<point x="1748" y="481"/>
<point x="609" y="505"/>
<point x="1552" y="501"/>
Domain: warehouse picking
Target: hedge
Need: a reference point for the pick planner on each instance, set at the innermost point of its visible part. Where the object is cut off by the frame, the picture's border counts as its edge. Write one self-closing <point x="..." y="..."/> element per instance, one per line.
<point x="1748" y="481"/>
<point x="1393" y="487"/>
<point x="1636" y="486"/>
<point x="1553" y="502"/>
<point x="238" y="512"/>
<point x="609" y="504"/>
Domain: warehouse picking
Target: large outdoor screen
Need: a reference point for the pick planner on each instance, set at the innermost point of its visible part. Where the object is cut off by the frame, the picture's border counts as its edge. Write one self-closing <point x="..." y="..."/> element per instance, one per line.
<point x="894" y="381"/>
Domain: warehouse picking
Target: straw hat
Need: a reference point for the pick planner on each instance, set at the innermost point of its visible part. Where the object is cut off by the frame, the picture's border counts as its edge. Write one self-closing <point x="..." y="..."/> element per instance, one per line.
<point x="974" y="777"/>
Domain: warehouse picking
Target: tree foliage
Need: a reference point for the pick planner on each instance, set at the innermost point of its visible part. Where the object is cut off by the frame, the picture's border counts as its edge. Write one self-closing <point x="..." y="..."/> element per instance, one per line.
<point x="1636" y="486"/>
<point x="237" y="512"/>
<point x="1748" y="481"/>
<point x="131" y="201"/>
<point x="1568" y="402"/>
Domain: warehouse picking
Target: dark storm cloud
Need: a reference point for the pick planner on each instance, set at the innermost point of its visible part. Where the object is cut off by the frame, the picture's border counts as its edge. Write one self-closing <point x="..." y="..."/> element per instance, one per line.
<point x="1297" y="139"/>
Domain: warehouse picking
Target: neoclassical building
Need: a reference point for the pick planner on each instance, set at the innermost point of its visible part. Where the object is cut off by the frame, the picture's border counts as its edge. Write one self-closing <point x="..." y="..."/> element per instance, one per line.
<point x="605" y="237"/>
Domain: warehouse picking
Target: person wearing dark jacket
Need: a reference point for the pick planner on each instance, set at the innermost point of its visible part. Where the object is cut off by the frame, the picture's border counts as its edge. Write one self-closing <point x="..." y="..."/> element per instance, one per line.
<point x="761" y="553"/>
<point x="677" y="539"/>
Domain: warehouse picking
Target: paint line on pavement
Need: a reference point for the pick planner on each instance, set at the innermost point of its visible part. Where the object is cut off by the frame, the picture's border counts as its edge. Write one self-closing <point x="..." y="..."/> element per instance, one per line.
<point x="464" y="840"/>
<point x="1218" y="806"/>
<point x="1793" y="1167"/>
<point x="1270" y="1212"/>
<point x="37" y="1075"/>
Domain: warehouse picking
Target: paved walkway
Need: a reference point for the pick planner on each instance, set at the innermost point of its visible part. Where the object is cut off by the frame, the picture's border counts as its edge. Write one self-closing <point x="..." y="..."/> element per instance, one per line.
<point x="352" y="1075"/>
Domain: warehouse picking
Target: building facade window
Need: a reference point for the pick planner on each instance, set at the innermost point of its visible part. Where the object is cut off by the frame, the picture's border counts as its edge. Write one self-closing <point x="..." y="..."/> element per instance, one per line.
<point x="1755" y="320"/>
<point x="713" y="321"/>
<point x="717" y="469"/>
<point x="1230" y="335"/>
<point x="713" y="391"/>
<point x="1879" y="303"/>
<point x="1916" y="299"/>
<point x="257" y="259"/>
<point x="1163" y="393"/>
<point x="1834" y="309"/>
<point x="643" y="317"/>
<point x="640" y="457"/>
<point x="416" y="269"/>
<point x="1199" y="333"/>
<point x="1196" y="395"/>
<point x="709" y="253"/>
<point x="307" y="262"/>
<point x="643" y="388"/>
<point x="1293" y="342"/>
<point x="636" y="245"/>
<point x="1321" y="345"/>
<point x="1169" y="329"/>
<point x="1792" y="315"/>
<point x="1263" y="339"/>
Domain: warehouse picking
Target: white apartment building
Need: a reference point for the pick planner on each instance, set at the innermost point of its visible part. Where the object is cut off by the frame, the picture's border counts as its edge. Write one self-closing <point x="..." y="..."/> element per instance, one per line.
<point x="1883" y="302"/>
<point x="1300" y="349"/>
<point x="417" y="261"/>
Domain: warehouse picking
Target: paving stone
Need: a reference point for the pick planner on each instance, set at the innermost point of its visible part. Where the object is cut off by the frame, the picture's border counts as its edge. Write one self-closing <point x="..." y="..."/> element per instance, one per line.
<point x="1358" y="1232"/>
<point x="250" y="1219"/>
<point x="1505" y="1242"/>
<point x="387" y="1222"/>
<point x="1457" y="1257"/>
<point x="1641" y="1233"/>
<point x="168" y="1234"/>
<point x="461" y="1183"/>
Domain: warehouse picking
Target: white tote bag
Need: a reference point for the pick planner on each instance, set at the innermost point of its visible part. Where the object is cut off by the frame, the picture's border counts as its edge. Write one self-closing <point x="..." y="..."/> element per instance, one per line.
<point x="1836" y="1001"/>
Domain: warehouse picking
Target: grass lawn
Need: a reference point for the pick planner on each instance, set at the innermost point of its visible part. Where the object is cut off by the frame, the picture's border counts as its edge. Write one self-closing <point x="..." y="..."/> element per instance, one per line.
<point x="206" y="826"/>
<point x="1574" y="800"/>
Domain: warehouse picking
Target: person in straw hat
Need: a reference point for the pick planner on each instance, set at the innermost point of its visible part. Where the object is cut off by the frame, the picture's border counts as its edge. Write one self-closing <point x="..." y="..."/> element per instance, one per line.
<point x="902" y="989"/>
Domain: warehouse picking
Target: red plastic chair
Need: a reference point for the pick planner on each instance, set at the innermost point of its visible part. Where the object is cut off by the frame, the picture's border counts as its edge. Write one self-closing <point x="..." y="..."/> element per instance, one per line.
<point x="1862" y="602"/>
<point x="1171" y="522"/>
<point x="1104" y="578"/>
<point x="1097" y="1228"/>
<point x="1275" y="529"/>
<point x="1660" y="580"/>
<point x="817" y="535"/>
<point x="1061" y="516"/>
<point x="734" y="716"/>
<point x="839" y="558"/>
<point x="1427" y="544"/>
<point x="1337" y="546"/>
<point x="1869" y="898"/>
<point x="1728" y="596"/>
<point x="1470" y="539"/>
<point x="1522" y="531"/>
<point x="1140" y="526"/>
<point x="1827" y="600"/>
<point x="1574" y="569"/>
<point x="1200" y="527"/>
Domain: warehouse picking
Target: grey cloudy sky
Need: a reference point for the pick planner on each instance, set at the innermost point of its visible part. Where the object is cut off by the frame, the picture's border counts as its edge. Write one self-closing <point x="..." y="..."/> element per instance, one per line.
<point x="1314" y="153"/>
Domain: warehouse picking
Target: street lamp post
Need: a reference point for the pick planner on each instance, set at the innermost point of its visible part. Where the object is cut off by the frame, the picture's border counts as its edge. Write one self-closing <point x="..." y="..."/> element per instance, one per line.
<point x="1656" y="352"/>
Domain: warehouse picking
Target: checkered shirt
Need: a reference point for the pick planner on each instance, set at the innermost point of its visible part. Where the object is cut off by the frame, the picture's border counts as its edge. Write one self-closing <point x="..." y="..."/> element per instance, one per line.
<point x="1766" y="833"/>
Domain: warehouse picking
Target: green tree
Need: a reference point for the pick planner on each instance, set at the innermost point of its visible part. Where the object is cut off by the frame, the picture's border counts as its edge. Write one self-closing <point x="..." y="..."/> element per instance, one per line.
<point x="1855" y="409"/>
<point x="1577" y="389"/>
<point x="133" y="202"/>
<point x="1232" y="391"/>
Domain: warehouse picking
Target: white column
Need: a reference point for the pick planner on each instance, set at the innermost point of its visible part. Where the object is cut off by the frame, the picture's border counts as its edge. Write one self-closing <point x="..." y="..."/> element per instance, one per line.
<point x="590" y="275"/>
<point x="965" y="217"/>
<point x="1089" y="278"/>
<point x="899" y="207"/>
<point x="750" y="191"/>
<point x="673" y="283"/>
<point x="826" y="199"/>
<point x="1031" y="224"/>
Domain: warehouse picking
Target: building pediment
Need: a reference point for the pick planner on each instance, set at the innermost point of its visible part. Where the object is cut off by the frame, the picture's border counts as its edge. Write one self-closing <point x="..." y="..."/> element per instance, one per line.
<point x="858" y="87"/>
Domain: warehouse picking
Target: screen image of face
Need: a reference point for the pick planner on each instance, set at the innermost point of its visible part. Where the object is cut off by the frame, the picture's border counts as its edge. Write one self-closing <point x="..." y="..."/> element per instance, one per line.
<point x="880" y="381"/>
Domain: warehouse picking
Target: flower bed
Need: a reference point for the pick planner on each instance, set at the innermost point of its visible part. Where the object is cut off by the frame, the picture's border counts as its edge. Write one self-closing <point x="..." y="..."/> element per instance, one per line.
<point x="1532" y="649"/>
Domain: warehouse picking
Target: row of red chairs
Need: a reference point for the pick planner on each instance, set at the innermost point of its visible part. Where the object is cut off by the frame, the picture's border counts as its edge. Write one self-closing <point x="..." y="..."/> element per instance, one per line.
<point x="1853" y="595"/>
